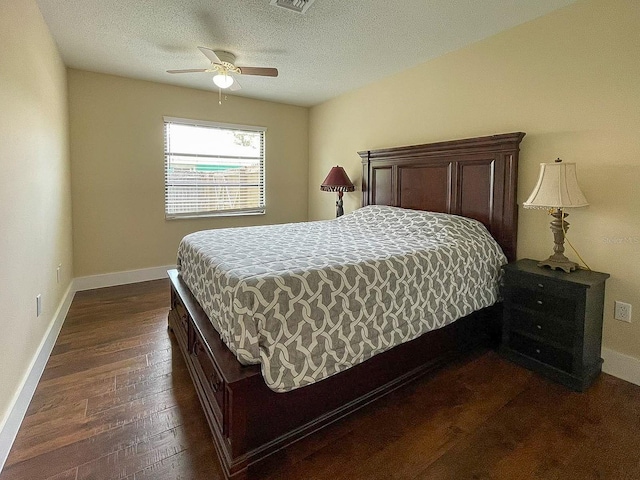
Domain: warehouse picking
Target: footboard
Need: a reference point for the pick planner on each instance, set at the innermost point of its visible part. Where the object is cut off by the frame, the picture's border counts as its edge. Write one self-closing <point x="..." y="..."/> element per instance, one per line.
<point x="249" y="421"/>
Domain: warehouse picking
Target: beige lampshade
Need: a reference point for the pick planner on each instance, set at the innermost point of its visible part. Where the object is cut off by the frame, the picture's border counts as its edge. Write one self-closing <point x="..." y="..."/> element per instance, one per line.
<point x="557" y="187"/>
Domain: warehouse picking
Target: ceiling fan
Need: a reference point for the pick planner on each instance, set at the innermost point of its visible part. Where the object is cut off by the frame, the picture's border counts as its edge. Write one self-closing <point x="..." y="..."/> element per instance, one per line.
<point x="223" y="65"/>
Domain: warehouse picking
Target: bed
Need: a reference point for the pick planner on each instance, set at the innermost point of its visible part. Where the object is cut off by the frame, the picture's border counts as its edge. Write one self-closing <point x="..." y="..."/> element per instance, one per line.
<point x="251" y="418"/>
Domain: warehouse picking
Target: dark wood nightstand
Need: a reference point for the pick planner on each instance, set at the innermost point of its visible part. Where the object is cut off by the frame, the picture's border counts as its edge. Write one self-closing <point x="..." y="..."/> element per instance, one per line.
<point x="553" y="321"/>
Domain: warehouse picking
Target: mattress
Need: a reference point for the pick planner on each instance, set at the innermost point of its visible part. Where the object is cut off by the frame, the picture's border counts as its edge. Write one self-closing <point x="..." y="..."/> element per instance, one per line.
<point x="309" y="300"/>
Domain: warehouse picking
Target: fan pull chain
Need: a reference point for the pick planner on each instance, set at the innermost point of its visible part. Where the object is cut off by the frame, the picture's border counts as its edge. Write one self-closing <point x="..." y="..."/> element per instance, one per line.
<point x="219" y="96"/>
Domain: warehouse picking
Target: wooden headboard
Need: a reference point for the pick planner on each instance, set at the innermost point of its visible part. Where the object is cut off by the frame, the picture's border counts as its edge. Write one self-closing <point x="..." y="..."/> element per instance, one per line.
<point x="473" y="177"/>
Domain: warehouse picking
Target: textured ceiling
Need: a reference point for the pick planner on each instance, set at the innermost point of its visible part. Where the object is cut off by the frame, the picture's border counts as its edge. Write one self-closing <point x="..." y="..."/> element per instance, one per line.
<point x="335" y="47"/>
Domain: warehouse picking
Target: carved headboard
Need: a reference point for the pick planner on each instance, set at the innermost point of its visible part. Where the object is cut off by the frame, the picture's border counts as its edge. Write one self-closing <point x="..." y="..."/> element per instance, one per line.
<point x="473" y="177"/>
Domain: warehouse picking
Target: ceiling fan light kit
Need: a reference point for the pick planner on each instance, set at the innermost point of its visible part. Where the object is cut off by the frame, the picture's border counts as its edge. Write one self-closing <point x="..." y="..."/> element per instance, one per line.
<point x="223" y="80"/>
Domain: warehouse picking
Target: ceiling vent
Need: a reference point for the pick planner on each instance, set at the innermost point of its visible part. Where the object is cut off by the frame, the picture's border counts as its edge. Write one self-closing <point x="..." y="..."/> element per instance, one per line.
<point x="299" y="6"/>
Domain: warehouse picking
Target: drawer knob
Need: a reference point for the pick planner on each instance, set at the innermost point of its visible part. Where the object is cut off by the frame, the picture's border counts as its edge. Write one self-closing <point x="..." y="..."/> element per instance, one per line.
<point x="215" y="382"/>
<point x="537" y="350"/>
<point x="539" y="302"/>
<point x="539" y="327"/>
<point x="541" y="285"/>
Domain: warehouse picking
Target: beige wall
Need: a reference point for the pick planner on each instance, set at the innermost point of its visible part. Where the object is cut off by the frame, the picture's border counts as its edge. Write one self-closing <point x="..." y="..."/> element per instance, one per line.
<point x="571" y="81"/>
<point x="35" y="201"/>
<point x="117" y="161"/>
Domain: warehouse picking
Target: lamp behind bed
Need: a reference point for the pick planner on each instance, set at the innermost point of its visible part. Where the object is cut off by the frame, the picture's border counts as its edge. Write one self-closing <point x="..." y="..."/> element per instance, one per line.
<point x="338" y="181"/>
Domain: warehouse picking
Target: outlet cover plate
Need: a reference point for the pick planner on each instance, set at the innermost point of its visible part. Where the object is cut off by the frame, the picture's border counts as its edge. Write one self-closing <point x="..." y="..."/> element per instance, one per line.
<point x="622" y="311"/>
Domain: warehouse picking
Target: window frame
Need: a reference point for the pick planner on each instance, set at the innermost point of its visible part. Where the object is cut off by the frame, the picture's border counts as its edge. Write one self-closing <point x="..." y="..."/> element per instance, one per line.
<point x="259" y="210"/>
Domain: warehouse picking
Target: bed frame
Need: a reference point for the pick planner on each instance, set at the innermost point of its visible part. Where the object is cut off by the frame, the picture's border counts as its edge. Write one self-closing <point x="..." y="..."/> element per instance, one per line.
<point x="473" y="177"/>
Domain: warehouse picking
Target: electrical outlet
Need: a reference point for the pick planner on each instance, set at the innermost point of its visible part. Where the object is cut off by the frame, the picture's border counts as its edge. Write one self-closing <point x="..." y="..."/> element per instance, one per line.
<point x="58" y="273"/>
<point x="38" y="305"/>
<point x="622" y="311"/>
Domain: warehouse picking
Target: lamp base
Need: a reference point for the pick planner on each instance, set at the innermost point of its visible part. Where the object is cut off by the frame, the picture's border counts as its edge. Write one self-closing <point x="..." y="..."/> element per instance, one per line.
<point x="339" y="207"/>
<point x="559" y="262"/>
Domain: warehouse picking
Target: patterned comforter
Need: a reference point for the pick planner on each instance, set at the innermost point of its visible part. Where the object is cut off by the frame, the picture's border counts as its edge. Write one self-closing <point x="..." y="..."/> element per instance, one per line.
<point x="308" y="300"/>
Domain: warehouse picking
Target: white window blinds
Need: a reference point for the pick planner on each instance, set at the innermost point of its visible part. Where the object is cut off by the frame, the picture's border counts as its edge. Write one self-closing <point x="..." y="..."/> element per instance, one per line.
<point x="212" y="169"/>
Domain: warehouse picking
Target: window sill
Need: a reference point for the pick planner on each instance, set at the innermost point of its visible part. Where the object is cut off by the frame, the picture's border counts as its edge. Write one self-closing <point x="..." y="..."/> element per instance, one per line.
<point x="214" y="214"/>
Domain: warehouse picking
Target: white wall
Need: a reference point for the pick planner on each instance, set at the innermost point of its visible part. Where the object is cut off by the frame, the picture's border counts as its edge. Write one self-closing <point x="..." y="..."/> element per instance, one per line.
<point x="117" y="157"/>
<point x="35" y="196"/>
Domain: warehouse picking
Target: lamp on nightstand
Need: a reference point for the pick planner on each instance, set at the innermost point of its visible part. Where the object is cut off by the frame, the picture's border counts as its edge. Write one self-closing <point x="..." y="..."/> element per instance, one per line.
<point x="337" y="181"/>
<point x="557" y="189"/>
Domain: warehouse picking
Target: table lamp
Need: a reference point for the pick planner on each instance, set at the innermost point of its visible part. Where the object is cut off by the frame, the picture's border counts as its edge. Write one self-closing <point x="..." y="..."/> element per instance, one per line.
<point x="337" y="181"/>
<point x="557" y="189"/>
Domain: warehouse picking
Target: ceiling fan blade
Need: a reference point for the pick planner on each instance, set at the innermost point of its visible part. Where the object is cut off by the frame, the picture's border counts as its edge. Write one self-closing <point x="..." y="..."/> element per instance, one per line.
<point x="210" y="54"/>
<point x="235" y="85"/>
<point x="265" y="72"/>
<point x="190" y="70"/>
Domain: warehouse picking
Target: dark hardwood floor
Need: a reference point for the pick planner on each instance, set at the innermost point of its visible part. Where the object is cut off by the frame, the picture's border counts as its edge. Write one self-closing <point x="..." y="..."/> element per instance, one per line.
<point x="116" y="401"/>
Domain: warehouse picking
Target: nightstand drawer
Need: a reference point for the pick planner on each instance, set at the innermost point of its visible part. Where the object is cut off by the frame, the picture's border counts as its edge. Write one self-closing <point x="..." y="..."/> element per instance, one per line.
<point x="540" y="301"/>
<point x="542" y="352"/>
<point x="545" y="326"/>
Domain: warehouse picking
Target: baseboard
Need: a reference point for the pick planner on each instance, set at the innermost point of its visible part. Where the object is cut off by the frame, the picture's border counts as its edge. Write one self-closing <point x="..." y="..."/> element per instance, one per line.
<point x="22" y="398"/>
<point x="121" y="278"/>
<point x="621" y="365"/>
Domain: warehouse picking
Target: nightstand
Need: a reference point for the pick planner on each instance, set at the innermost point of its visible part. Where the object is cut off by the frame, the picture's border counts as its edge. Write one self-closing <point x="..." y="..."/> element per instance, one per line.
<point x="553" y="321"/>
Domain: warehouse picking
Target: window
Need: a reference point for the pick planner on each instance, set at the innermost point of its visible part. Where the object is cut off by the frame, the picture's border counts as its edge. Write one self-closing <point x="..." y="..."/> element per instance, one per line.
<point x="212" y="169"/>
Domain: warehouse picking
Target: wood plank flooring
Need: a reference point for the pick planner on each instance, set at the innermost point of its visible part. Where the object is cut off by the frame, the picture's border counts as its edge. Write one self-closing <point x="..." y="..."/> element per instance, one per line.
<point x="116" y="402"/>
